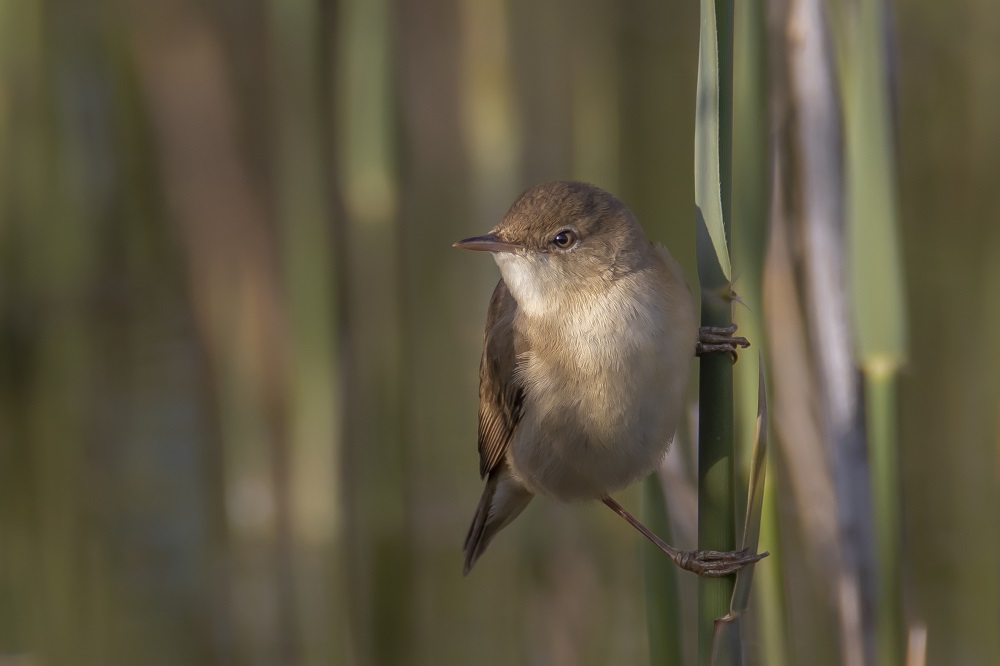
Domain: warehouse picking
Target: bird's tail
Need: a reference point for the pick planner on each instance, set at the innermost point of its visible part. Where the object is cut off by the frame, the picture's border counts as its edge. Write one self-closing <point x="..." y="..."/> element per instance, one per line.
<point x="504" y="498"/>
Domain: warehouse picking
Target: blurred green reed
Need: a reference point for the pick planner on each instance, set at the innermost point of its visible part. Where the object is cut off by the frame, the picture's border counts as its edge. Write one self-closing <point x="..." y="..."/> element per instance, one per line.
<point x="752" y="190"/>
<point x="877" y="290"/>
<point x="664" y="620"/>
<point x="818" y="418"/>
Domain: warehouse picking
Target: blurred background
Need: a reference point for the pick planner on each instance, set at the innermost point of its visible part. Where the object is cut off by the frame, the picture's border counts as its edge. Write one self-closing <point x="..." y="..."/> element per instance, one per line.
<point x="239" y="358"/>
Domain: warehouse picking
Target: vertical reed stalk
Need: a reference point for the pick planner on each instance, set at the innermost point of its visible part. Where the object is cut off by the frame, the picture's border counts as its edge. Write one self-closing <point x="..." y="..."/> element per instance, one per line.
<point x="713" y="190"/>
<point x="880" y="396"/>
<point x="752" y="175"/>
<point x="663" y="616"/>
<point x="877" y="279"/>
<point x="309" y="261"/>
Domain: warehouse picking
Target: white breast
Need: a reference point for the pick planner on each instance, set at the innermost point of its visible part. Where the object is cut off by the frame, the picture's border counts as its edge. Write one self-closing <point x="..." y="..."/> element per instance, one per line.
<point x="604" y="387"/>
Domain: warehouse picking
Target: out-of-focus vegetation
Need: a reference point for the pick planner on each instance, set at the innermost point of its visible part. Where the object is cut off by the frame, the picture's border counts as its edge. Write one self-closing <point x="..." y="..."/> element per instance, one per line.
<point x="238" y="357"/>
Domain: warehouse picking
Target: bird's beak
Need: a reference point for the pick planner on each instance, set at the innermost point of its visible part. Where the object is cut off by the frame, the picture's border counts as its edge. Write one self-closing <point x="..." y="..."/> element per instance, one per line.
<point x="487" y="243"/>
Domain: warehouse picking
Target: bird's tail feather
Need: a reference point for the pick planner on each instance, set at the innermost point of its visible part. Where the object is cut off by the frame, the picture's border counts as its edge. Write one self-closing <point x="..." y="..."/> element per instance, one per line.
<point x="502" y="501"/>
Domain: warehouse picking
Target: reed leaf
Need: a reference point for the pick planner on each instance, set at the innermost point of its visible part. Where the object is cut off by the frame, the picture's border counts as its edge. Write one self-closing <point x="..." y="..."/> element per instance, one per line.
<point x="707" y="166"/>
<point x="713" y="166"/>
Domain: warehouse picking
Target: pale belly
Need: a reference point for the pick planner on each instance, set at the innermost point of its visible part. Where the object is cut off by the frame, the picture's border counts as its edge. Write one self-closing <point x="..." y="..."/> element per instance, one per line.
<point x="603" y="382"/>
<point x="586" y="434"/>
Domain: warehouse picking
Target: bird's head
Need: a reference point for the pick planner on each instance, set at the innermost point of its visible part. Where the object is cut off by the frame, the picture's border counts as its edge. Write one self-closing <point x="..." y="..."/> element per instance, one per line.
<point x="562" y="241"/>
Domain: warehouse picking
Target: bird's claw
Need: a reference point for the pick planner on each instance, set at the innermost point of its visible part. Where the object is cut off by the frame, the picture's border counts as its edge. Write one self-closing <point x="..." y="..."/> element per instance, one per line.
<point x="714" y="563"/>
<point x="720" y="339"/>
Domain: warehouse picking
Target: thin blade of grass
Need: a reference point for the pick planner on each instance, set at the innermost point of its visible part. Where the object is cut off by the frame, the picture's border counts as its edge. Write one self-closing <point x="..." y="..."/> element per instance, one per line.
<point x="755" y="497"/>
<point x="726" y="634"/>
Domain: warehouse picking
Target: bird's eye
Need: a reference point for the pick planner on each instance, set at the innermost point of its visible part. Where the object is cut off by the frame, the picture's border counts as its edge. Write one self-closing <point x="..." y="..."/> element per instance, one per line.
<point x="564" y="239"/>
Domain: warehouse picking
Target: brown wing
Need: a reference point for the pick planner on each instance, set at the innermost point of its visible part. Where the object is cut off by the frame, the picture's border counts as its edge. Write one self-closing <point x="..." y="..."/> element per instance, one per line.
<point x="500" y="393"/>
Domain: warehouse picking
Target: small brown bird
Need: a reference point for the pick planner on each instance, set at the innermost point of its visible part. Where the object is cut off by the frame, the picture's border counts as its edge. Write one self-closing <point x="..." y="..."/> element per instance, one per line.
<point x="589" y="339"/>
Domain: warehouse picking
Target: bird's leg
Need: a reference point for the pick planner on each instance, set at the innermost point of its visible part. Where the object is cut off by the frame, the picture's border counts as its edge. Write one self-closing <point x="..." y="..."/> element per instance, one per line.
<point x="711" y="563"/>
<point x="719" y="339"/>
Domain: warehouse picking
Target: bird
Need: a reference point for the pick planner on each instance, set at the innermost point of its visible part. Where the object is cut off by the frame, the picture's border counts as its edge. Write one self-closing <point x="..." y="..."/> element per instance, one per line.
<point x="589" y="338"/>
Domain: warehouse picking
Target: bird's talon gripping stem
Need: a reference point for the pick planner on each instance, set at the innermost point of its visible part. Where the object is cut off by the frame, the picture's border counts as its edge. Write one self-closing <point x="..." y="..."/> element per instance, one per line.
<point x="711" y="563"/>
<point x="714" y="563"/>
<point x="720" y="339"/>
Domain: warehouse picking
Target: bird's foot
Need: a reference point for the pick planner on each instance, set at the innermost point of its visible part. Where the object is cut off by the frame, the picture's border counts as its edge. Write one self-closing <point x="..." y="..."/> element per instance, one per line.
<point x="720" y="339"/>
<point x="714" y="563"/>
